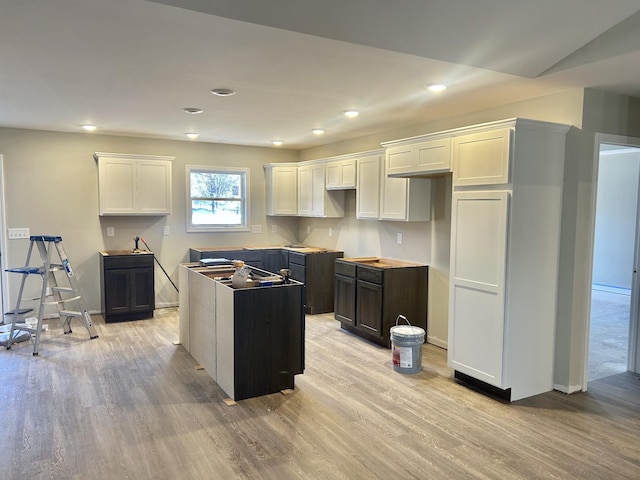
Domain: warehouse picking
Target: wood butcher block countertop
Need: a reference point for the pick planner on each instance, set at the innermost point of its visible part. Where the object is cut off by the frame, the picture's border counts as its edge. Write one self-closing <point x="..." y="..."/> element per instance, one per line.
<point x="121" y="253"/>
<point x="378" y="262"/>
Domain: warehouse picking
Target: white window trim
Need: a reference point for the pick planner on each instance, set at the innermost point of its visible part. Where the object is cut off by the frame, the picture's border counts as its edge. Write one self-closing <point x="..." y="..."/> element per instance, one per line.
<point x="239" y="228"/>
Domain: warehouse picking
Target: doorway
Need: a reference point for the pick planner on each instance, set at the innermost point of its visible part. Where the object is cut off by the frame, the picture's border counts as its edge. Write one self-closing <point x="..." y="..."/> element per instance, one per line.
<point x="614" y="296"/>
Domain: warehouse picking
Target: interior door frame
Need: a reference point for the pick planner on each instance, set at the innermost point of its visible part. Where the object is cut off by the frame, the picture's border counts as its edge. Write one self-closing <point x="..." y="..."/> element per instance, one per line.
<point x="4" y="298"/>
<point x="634" y="313"/>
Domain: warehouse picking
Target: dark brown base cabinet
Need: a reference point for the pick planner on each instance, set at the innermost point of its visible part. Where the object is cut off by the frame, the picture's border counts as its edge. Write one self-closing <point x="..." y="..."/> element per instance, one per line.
<point x="368" y="299"/>
<point x="127" y="285"/>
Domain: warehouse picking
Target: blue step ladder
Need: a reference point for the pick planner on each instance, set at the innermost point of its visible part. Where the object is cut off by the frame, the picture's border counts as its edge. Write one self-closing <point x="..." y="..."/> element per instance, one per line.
<point x="66" y="297"/>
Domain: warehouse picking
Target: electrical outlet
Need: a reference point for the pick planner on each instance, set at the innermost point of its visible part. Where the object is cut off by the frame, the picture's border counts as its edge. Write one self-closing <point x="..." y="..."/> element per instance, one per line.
<point x="18" y="233"/>
<point x="330" y="232"/>
<point x="111" y="231"/>
<point x="166" y="230"/>
<point x="274" y="228"/>
<point x="308" y="228"/>
<point x="399" y="238"/>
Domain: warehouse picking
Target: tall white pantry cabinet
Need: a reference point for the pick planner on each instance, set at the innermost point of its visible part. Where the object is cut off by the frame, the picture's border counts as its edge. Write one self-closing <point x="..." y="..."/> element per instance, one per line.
<point x="505" y="235"/>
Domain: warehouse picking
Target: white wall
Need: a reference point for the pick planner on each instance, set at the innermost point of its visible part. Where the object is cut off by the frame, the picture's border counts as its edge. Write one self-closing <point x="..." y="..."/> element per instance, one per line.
<point x="616" y="213"/>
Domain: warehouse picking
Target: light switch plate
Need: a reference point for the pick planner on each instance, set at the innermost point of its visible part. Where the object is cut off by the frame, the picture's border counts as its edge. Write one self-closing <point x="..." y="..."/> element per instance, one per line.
<point x="110" y="232"/>
<point x="399" y="238"/>
<point x="274" y="228"/>
<point x="18" y="233"/>
<point x="166" y="230"/>
<point x="256" y="228"/>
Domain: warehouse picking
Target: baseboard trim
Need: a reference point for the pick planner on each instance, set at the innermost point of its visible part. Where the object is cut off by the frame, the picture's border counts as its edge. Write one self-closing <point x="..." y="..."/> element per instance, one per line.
<point x="438" y="342"/>
<point x="568" y="389"/>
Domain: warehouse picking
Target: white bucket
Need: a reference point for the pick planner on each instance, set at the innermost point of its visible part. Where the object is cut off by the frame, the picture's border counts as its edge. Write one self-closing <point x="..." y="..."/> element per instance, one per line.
<point x="406" y="347"/>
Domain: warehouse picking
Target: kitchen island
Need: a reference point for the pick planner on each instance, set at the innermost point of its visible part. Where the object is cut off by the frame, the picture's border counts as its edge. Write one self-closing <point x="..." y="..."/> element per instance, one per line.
<point x="249" y="339"/>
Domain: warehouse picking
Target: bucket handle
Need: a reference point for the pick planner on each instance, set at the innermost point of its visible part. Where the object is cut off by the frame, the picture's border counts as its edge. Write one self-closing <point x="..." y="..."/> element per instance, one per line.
<point x="404" y="318"/>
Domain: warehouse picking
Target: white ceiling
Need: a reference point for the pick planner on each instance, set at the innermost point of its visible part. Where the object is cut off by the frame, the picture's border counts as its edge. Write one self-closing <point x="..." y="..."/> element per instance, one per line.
<point x="131" y="66"/>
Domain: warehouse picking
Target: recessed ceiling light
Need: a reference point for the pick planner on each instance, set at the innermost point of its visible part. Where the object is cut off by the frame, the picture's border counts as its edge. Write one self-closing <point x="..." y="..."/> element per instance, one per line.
<point x="351" y="113"/>
<point x="89" y="128"/>
<point x="223" y="92"/>
<point x="277" y="143"/>
<point x="193" y="110"/>
<point x="436" y="87"/>
<point x="192" y="136"/>
<point x="318" y="131"/>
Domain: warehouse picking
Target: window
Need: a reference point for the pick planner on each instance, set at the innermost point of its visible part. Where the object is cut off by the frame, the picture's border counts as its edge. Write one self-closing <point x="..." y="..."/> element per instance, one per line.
<point x="217" y="199"/>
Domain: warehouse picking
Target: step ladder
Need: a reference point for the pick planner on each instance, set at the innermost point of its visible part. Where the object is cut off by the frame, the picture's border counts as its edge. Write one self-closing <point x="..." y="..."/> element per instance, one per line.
<point x="66" y="297"/>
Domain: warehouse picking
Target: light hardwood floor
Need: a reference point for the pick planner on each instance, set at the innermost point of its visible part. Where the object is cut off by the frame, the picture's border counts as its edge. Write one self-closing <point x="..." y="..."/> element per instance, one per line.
<point x="130" y="405"/>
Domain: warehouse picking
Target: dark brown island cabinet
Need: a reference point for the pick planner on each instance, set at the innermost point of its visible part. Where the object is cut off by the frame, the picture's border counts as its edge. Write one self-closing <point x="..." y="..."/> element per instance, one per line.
<point x="249" y="339"/>
<point x="313" y="266"/>
<point x="370" y="293"/>
<point x="127" y="285"/>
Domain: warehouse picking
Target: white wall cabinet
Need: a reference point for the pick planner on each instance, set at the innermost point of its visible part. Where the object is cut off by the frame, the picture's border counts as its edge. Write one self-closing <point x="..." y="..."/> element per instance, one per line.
<point x="281" y="189"/>
<point x="404" y="199"/>
<point x="482" y="158"/>
<point x="134" y="184"/>
<point x="341" y="174"/>
<point x="504" y="255"/>
<point x="418" y="157"/>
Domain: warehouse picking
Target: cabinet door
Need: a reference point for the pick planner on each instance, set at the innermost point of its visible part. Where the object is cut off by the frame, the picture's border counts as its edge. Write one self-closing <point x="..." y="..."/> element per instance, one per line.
<point x="482" y="158"/>
<point x="477" y="289"/>
<point x="369" y="307"/>
<point x="142" y="291"/>
<point x="318" y="190"/>
<point x="400" y="159"/>
<point x="304" y="191"/>
<point x="334" y="175"/>
<point x="345" y="299"/>
<point x="117" y="186"/>
<point x="368" y="187"/>
<point x="394" y="198"/>
<point x="282" y="190"/>
<point x="433" y="156"/>
<point x="154" y="187"/>
<point x="273" y="260"/>
<point x="117" y="291"/>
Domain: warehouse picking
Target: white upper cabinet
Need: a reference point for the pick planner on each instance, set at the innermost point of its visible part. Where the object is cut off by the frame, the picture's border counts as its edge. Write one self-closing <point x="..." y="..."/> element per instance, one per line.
<point x="404" y="199"/>
<point x="281" y="189"/>
<point x="368" y="187"/>
<point x="418" y="157"/>
<point x="482" y="158"/>
<point x="341" y="174"/>
<point x="134" y="184"/>
<point x="313" y="198"/>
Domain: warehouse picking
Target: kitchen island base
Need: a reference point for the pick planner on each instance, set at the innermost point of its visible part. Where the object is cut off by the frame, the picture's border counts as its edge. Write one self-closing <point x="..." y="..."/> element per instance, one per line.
<point x="249" y="340"/>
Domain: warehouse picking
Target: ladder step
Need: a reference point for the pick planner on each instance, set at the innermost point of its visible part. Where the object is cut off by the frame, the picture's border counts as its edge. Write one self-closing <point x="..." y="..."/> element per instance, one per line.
<point x="63" y="300"/>
<point x="71" y="313"/>
<point x="62" y="289"/>
<point x="25" y="270"/>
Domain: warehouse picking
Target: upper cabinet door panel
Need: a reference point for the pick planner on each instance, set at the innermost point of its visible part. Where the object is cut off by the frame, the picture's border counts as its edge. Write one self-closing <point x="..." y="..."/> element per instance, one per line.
<point x="434" y="155"/>
<point x="154" y="187"/>
<point x="117" y="186"/>
<point x="482" y="158"/>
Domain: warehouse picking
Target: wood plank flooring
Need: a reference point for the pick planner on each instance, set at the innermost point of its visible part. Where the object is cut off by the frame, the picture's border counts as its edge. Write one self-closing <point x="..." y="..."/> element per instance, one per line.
<point x="131" y="405"/>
